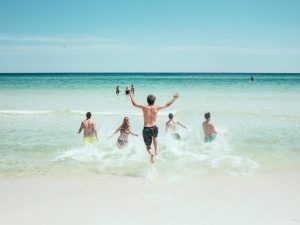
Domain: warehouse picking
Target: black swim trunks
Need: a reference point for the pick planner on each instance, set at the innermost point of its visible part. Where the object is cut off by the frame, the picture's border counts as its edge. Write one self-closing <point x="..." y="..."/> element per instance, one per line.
<point x="148" y="134"/>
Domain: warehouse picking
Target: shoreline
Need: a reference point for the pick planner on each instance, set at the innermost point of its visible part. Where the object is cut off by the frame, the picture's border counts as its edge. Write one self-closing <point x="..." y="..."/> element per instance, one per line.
<point x="270" y="198"/>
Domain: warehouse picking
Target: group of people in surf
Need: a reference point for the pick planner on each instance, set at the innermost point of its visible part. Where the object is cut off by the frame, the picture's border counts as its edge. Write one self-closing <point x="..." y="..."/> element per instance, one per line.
<point x="127" y="90"/>
<point x="150" y="131"/>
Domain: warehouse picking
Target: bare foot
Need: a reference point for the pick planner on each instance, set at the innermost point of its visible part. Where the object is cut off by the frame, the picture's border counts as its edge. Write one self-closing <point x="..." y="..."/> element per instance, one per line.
<point x="151" y="158"/>
<point x="150" y="151"/>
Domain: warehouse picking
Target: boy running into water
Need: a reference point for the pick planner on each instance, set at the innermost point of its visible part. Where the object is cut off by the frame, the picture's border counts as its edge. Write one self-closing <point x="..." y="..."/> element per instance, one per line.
<point x="208" y="128"/>
<point x="150" y="130"/>
<point x="89" y="129"/>
<point x="172" y="126"/>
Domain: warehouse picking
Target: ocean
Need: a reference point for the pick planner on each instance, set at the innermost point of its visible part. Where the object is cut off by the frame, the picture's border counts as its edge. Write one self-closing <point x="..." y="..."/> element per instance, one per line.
<point x="258" y="124"/>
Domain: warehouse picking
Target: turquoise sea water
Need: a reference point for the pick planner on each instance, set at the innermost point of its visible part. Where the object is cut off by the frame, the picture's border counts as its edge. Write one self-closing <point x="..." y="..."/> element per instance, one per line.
<point x="258" y="123"/>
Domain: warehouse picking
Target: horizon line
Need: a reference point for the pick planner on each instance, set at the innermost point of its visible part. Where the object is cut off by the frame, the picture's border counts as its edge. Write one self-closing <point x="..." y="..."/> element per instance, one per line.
<point x="156" y="72"/>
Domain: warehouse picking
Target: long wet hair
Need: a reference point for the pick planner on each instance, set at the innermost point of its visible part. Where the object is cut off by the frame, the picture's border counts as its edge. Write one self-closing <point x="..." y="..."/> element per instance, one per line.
<point x="126" y="124"/>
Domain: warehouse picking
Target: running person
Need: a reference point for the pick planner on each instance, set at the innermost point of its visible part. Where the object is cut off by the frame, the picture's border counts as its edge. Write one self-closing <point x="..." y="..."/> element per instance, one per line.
<point x="125" y="130"/>
<point x="89" y="129"/>
<point x="150" y="130"/>
<point x="208" y="129"/>
<point x="172" y="126"/>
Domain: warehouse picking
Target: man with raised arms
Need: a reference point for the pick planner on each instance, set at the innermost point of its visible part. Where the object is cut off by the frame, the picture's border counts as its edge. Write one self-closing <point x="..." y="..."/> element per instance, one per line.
<point x="150" y="130"/>
<point x="89" y="129"/>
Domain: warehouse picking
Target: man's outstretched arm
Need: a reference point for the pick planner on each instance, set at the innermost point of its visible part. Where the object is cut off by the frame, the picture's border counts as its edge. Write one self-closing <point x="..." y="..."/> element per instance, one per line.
<point x="169" y="102"/>
<point x="180" y="124"/>
<point x="134" y="103"/>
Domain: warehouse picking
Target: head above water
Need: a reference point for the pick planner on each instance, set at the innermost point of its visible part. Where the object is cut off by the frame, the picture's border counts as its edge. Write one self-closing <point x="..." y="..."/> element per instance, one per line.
<point x="171" y="116"/>
<point x="151" y="99"/>
<point x="207" y="115"/>
<point x="88" y="115"/>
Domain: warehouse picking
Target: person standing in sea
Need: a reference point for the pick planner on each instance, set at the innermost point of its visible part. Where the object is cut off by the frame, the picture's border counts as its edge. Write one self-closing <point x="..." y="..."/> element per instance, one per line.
<point x="150" y="130"/>
<point x="132" y="89"/>
<point x="117" y="90"/>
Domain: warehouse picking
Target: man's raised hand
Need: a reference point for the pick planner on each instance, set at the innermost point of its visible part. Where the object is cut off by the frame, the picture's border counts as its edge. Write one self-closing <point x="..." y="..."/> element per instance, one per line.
<point x="176" y="95"/>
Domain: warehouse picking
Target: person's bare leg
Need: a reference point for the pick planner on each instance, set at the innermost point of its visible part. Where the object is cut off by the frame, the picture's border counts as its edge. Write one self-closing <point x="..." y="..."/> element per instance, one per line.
<point x="155" y="145"/>
<point x="150" y="153"/>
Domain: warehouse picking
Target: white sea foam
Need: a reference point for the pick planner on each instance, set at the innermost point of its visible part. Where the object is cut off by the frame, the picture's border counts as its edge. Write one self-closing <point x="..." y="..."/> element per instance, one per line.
<point x="70" y="112"/>
<point x="174" y="158"/>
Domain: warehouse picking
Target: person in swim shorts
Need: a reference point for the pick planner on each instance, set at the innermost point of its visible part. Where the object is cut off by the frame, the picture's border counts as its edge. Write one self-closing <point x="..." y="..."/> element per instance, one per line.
<point x="208" y="129"/>
<point x="117" y="90"/>
<point x="89" y="129"/>
<point x="150" y="130"/>
<point x="125" y="130"/>
<point x="132" y="89"/>
<point x="172" y="125"/>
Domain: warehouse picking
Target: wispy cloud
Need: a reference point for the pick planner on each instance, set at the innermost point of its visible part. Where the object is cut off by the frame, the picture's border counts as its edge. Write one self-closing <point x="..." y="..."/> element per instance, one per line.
<point x="27" y="43"/>
<point x="55" y="39"/>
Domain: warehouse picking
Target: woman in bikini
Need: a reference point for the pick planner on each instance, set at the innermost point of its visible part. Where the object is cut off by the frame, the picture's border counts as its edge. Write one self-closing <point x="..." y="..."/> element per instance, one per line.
<point x="125" y="130"/>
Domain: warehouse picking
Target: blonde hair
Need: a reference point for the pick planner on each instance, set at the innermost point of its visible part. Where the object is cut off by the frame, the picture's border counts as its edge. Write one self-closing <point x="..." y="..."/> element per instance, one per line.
<point x="126" y="124"/>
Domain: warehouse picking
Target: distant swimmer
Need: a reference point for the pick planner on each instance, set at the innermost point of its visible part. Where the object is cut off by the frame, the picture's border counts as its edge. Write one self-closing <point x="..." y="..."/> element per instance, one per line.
<point x="89" y="129"/>
<point x="252" y="79"/>
<point x="127" y="91"/>
<point x="117" y="90"/>
<point x="125" y="130"/>
<point x="132" y="89"/>
<point x="172" y="125"/>
<point x="150" y="130"/>
<point x="208" y="128"/>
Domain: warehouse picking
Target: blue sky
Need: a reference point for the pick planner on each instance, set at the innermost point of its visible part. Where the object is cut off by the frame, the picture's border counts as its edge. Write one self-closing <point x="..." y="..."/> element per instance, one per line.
<point x="149" y="36"/>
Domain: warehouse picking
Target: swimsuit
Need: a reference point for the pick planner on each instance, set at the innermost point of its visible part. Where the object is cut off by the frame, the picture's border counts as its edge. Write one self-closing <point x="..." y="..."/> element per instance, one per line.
<point x="210" y="138"/>
<point x="122" y="142"/>
<point x="148" y="134"/>
<point x="89" y="140"/>
<point x="176" y="136"/>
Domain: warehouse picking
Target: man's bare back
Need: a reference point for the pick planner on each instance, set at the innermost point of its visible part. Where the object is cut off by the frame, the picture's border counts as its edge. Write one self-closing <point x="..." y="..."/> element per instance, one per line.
<point x="208" y="129"/>
<point x="171" y="125"/>
<point x="150" y="114"/>
<point x="150" y="130"/>
<point x="89" y="128"/>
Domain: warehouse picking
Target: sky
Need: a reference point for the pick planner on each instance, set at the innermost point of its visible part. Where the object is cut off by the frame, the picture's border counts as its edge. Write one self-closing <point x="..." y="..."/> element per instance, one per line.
<point x="149" y="36"/>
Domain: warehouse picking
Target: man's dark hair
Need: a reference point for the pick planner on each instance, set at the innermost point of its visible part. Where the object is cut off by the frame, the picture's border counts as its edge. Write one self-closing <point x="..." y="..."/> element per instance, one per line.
<point x="170" y="116"/>
<point x="151" y="99"/>
<point x="207" y="115"/>
<point x="88" y="115"/>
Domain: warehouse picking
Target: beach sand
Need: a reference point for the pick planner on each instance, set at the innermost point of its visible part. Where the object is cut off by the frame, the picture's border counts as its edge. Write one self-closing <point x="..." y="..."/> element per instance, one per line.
<point x="264" y="199"/>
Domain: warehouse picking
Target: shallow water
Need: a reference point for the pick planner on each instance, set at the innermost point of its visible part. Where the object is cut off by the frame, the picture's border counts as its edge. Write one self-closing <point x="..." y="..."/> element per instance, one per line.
<point x="258" y="123"/>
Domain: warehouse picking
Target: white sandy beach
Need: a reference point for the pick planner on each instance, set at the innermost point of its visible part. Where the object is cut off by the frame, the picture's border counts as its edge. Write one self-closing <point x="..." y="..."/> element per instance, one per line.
<point x="262" y="199"/>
